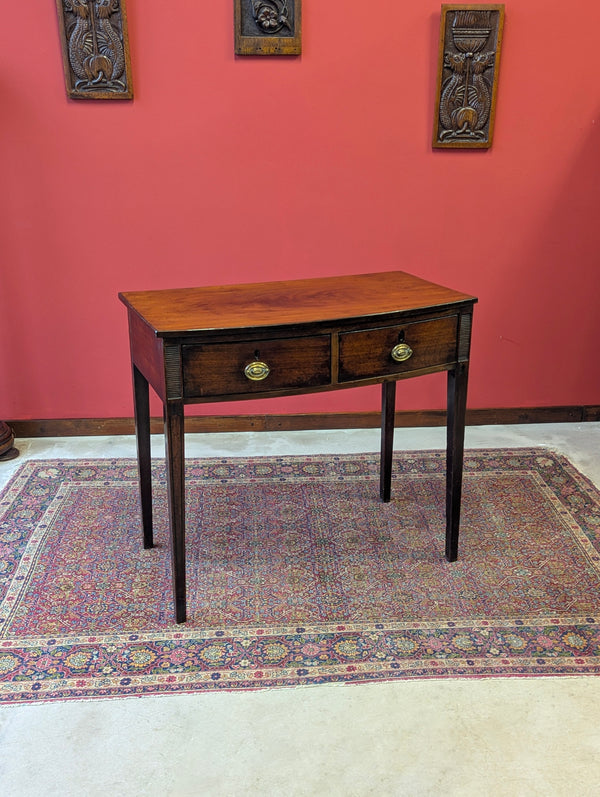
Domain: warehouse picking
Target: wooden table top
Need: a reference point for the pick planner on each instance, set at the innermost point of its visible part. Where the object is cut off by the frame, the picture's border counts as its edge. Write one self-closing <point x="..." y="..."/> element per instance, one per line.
<point x="308" y="301"/>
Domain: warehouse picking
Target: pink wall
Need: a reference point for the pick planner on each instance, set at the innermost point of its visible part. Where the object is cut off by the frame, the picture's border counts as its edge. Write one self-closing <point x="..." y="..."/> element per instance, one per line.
<point x="231" y="170"/>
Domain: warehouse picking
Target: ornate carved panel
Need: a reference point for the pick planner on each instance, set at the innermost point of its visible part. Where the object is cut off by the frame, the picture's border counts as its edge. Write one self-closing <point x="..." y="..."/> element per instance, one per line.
<point x="268" y="27"/>
<point x="95" y="48"/>
<point x="470" y="43"/>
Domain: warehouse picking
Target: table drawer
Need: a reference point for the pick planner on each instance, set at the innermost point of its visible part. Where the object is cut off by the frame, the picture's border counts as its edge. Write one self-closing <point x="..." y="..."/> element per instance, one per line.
<point x="222" y="369"/>
<point x="421" y="344"/>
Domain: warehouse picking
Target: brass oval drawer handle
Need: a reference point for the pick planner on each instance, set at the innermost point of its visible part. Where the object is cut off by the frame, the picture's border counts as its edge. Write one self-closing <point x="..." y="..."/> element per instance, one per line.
<point x="402" y="352"/>
<point x="257" y="371"/>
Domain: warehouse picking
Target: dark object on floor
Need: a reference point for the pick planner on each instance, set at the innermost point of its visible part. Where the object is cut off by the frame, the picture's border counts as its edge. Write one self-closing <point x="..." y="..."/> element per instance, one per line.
<point x="7" y="438"/>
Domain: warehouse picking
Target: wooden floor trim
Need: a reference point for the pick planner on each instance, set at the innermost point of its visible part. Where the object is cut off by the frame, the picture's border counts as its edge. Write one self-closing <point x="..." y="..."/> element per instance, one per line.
<point x="75" y="427"/>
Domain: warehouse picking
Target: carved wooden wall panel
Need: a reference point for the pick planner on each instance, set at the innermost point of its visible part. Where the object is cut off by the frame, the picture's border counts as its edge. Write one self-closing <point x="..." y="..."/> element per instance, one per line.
<point x="95" y="48"/>
<point x="268" y="27"/>
<point x="470" y="44"/>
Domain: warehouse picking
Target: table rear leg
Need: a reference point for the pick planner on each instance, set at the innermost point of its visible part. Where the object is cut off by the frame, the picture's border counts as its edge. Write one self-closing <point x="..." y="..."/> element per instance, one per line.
<point x="388" y="411"/>
<point x="142" y="433"/>
<point x="457" y="405"/>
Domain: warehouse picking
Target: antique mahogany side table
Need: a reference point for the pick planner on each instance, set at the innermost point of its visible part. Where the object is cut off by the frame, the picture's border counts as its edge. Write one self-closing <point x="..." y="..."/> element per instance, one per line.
<point x="235" y="342"/>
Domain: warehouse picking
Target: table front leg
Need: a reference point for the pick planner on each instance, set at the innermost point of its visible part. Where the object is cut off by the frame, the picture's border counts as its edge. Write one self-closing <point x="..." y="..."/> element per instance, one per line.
<point x="175" y="455"/>
<point x="388" y="412"/>
<point x="457" y="406"/>
<point x="141" y="402"/>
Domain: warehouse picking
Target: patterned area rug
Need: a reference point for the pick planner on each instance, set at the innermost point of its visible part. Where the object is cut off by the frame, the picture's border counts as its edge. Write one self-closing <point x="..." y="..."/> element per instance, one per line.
<point x="297" y="574"/>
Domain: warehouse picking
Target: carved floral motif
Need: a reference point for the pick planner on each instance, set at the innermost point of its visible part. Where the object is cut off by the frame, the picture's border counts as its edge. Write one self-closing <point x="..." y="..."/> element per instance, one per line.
<point x="271" y="15"/>
<point x="268" y="27"/>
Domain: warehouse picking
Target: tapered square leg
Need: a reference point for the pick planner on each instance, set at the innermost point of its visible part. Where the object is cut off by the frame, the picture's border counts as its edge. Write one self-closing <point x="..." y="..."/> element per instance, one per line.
<point x="457" y="404"/>
<point x="141" y="395"/>
<point x="175" y="454"/>
<point x="388" y="411"/>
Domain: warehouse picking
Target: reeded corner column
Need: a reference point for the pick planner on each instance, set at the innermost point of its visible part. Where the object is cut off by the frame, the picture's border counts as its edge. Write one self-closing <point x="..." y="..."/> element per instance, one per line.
<point x="7" y="438"/>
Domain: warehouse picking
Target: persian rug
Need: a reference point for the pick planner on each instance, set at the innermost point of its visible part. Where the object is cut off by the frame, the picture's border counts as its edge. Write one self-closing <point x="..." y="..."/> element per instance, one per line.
<point x="297" y="574"/>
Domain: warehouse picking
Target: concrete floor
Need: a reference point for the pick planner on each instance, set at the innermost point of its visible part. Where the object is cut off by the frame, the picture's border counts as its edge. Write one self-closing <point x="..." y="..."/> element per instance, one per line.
<point x="452" y="737"/>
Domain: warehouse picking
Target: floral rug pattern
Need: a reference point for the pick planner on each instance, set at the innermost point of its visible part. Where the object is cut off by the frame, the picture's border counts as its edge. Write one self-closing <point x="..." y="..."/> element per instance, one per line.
<point x="297" y="574"/>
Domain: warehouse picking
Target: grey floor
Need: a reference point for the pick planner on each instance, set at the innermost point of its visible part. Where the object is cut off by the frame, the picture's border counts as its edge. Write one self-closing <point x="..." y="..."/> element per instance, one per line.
<point x="450" y="737"/>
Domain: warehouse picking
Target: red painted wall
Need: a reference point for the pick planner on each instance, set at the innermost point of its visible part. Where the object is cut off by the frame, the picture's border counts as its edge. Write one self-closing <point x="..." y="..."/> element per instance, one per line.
<point x="229" y="169"/>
